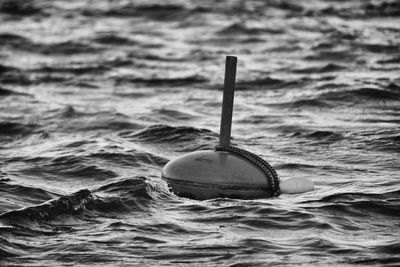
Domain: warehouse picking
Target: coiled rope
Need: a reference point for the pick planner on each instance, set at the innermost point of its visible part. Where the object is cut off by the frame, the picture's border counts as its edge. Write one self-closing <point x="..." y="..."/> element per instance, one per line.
<point x="271" y="174"/>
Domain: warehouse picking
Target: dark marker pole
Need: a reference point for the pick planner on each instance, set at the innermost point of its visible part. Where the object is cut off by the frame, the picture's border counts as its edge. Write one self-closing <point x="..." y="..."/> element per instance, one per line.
<point x="227" y="101"/>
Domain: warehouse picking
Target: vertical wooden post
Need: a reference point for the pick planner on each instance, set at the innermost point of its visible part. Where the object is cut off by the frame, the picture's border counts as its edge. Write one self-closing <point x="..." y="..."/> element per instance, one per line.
<point x="227" y="101"/>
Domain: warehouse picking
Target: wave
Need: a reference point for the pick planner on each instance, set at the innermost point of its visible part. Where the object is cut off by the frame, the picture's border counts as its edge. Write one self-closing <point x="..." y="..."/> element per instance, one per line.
<point x="76" y="69"/>
<point x="3" y="180"/>
<point x="19" y="7"/>
<point x="375" y="261"/>
<point x="393" y="87"/>
<point x="294" y="166"/>
<point x="24" y="78"/>
<point x="345" y="96"/>
<point x="66" y="205"/>
<point x="21" y="195"/>
<point x="15" y="41"/>
<point x="69" y="119"/>
<point x="7" y="92"/>
<point x="286" y="5"/>
<point x="380" y="48"/>
<point x="14" y="128"/>
<point x="53" y="74"/>
<point x="5" y="253"/>
<point x="72" y="167"/>
<point x="381" y="140"/>
<point x="304" y="103"/>
<point x="164" y="57"/>
<point x="319" y="135"/>
<point x="259" y="82"/>
<point x="237" y="28"/>
<point x="50" y="73"/>
<point x="270" y="83"/>
<point x="391" y="247"/>
<point x="390" y="60"/>
<point x="382" y="9"/>
<point x="330" y="67"/>
<point x="167" y="81"/>
<point x="345" y="55"/>
<point x="125" y="195"/>
<point x="131" y="159"/>
<point x="374" y="93"/>
<point x="359" y="95"/>
<point x="113" y="39"/>
<point x="64" y="48"/>
<point x="179" y="136"/>
<point x="255" y="216"/>
<point x="170" y="115"/>
<point x="340" y="34"/>
<point x="159" y="12"/>
<point x="18" y="42"/>
<point x="134" y="194"/>
<point x="4" y="68"/>
<point x="359" y="9"/>
<point x="361" y="204"/>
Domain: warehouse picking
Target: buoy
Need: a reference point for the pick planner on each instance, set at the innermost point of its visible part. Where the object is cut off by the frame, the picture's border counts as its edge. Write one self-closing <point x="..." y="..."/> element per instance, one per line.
<point x="226" y="171"/>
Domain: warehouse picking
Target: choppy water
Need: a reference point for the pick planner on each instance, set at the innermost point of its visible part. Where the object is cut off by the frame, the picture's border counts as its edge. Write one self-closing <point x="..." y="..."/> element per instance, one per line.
<point x="96" y="96"/>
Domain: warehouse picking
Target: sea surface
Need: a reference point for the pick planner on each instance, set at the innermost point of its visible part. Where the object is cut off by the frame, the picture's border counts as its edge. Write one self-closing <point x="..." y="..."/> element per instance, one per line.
<point x="96" y="96"/>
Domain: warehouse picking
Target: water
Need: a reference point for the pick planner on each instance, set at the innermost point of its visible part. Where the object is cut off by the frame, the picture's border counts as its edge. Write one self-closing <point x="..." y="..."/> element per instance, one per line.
<point x="97" y="96"/>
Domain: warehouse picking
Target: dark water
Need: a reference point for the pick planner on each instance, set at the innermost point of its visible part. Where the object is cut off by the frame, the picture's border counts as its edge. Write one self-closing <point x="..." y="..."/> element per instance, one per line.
<point x="96" y="96"/>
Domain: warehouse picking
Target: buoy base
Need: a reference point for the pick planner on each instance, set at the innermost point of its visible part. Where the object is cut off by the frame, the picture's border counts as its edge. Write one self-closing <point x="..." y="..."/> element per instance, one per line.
<point x="202" y="191"/>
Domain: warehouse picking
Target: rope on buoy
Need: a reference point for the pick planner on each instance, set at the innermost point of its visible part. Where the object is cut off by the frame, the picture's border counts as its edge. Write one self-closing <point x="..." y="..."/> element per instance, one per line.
<point x="271" y="174"/>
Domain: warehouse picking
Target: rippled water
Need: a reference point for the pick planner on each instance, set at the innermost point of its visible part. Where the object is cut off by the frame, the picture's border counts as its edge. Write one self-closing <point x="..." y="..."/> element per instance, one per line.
<point x="96" y="96"/>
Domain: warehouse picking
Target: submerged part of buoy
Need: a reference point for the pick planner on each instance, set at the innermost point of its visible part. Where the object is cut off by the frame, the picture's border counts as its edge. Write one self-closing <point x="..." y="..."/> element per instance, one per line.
<point x="210" y="174"/>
